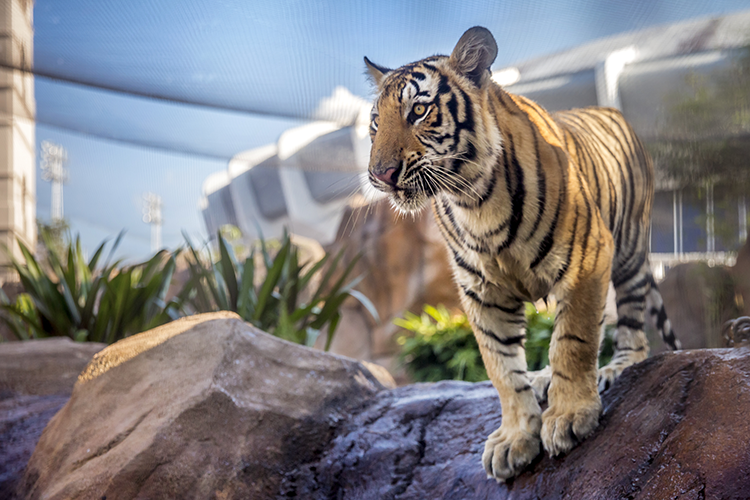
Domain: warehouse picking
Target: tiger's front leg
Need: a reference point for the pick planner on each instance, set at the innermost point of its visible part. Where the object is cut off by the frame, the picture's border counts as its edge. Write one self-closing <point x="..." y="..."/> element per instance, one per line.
<point x="499" y="325"/>
<point x="574" y="402"/>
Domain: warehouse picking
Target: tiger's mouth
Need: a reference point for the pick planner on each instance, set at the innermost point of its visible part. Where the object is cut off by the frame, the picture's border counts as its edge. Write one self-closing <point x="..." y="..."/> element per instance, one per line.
<point x="406" y="199"/>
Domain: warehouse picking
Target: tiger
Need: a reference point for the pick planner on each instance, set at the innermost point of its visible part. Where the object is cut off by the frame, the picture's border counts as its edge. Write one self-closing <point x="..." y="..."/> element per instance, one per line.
<point x="529" y="204"/>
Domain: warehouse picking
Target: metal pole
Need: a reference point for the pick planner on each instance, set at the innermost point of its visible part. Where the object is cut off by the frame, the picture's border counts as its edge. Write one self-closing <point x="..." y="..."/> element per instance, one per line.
<point x="54" y="158"/>
<point x="152" y="205"/>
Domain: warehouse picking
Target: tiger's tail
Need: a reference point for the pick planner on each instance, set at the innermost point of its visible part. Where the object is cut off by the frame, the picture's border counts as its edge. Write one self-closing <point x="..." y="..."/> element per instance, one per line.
<point x="655" y="307"/>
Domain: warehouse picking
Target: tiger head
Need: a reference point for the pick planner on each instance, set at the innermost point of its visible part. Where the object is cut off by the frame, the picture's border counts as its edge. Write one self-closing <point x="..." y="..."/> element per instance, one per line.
<point x="429" y="133"/>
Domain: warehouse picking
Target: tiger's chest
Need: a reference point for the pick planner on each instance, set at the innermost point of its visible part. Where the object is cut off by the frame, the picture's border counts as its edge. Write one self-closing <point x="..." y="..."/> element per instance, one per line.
<point x="487" y="257"/>
<point x="510" y="274"/>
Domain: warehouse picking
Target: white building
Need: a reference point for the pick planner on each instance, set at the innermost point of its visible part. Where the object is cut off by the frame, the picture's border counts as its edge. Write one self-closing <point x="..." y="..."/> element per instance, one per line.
<point x="17" y="127"/>
<point x="293" y="183"/>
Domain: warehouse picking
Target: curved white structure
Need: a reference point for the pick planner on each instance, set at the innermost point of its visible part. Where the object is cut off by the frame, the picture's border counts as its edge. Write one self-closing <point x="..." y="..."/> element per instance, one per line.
<point x="303" y="182"/>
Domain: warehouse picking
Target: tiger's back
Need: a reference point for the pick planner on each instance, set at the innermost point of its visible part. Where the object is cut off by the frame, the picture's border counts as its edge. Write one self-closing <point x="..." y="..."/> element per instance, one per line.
<point x="529" y="203"/>
<point x="619" y="172"/>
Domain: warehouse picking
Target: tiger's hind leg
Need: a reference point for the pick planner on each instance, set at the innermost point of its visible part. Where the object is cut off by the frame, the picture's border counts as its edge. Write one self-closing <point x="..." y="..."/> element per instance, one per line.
<point x="630" y="342"/>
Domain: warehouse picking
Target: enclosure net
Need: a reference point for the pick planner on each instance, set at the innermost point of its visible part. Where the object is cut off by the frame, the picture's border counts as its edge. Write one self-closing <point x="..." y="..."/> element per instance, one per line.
<point x="155" y="96"/>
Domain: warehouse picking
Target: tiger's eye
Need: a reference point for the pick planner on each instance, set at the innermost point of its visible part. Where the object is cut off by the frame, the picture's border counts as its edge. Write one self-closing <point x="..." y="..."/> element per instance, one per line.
<point x="419" y="109"/>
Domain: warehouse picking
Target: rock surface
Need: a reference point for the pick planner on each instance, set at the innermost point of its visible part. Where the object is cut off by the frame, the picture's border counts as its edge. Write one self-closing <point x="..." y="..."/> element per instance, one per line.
<point x="36" y="379"/>
<point x="203" y="407"/>
<point x="44" y="367"/>
<point x="209" y="407"/>
<point x="673" y="427"/>
<point x="698" y="299"/>
<point x="404" y="264"/>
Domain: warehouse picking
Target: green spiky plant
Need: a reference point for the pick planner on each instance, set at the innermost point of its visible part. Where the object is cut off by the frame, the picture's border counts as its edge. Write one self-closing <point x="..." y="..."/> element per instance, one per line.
<point x="282" y="302"/>
<point x="66" y="295"/>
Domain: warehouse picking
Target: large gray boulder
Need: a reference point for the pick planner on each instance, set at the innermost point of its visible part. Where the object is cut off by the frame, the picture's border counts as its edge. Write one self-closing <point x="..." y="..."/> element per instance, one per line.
<point x="203" y="407"/>
<point x="209" y="407"/>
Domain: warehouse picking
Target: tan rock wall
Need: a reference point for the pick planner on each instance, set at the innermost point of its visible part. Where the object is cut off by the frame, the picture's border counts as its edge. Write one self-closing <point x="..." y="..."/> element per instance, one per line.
<point x="405" y="265"/>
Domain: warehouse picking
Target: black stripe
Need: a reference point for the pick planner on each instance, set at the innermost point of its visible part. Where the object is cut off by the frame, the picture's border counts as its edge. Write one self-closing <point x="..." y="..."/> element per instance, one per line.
<point x="631" y="323"/>
<point x="473" y="296"/>
<point x="501" y="95"/>
<point x="541" y="186"/>
<point x="646" y="280"/>
<point x="615" y="224"/>
<point x="517" y="199"/>
<point x="506" y="341"/>
<point x="444" y="87"/>
<point x="570" y="336"/>
<point x="661" y="317"/>
<point x="460" y="262"/>
<point x="546" y="244"/>
<point x="564" y="268"/>
<point x="468" y="123"/>
<point x="501" y="352"/>
<point x="526" y="387"/>
<point x="625" y="275"/>
<point x="620" y="349"/>
<point x="629" y="299"/>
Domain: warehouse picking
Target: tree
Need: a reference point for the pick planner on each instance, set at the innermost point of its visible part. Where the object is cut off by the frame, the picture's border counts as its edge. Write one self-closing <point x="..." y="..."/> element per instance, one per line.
<point x="706" y="133"/>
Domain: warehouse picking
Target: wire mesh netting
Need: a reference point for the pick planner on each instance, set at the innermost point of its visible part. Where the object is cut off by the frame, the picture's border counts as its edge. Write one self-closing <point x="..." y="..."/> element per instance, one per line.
<point x="157" y="96"/>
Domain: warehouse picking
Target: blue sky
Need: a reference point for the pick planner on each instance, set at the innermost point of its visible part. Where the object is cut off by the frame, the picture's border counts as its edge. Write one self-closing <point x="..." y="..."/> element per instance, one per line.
<point x="254" y="69"/>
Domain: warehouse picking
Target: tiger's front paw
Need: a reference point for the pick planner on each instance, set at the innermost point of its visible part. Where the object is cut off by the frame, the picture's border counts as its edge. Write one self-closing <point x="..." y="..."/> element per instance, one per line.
<point x="540" y="383"/>
<point x="607" y="376"/>
<point x="507" y="452"/>
<point x="564" y="426"/>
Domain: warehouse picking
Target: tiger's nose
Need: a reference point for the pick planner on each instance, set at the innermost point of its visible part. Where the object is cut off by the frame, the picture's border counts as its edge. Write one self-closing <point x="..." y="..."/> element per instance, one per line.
<point x="389" y="176"/>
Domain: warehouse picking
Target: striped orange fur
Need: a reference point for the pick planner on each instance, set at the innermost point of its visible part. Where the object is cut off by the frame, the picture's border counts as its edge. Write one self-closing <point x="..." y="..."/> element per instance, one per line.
<point x="529" y="204"/>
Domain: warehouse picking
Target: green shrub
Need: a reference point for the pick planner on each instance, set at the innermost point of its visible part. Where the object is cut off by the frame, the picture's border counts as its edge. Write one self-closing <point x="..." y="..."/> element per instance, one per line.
<point x="441" y="346"/>
<point x="67" y="296"/>
<point x="282" y="303"/>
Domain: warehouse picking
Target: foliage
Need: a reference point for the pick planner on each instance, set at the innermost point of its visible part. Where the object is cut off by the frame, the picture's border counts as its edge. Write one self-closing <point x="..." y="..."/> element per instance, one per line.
<point x="282" y="302"/>
<point x="704" y="135"/>
<point x="65" y="295"/>
<point x="58" y="233"/>
<point x="539" y="327"/>
<point x="441" y="346"/>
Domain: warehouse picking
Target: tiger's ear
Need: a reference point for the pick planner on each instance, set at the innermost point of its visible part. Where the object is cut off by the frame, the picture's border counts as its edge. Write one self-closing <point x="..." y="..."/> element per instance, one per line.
<point x="474" y="54"/>
<point x="377" y="73"/>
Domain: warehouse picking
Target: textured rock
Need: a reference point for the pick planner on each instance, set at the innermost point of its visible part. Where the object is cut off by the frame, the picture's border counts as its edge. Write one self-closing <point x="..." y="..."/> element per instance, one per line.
<point x="203" y="407"/>
<point x="208" y="407"/>
<point x="404" y="264"/>
<point x="36" y="379"/>
<point x="698" y="299"/>
<point x="674" y="426"/>
<point x="22" y="420"/>
<point x="44" y="367"/>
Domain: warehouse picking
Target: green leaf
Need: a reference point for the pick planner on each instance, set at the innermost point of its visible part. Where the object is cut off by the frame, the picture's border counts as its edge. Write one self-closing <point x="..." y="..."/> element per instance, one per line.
<point x="246" y="301"/>
<point x="228" y="271"/>
<point x="271" y="279"/>
<point x="332" y="329"/>
<point x="366" y="303"/>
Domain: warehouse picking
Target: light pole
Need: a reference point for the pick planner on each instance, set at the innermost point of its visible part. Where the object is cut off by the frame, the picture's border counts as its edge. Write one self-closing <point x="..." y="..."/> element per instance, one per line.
<point x="152" y="215"/>
<point x="54" y="158"/>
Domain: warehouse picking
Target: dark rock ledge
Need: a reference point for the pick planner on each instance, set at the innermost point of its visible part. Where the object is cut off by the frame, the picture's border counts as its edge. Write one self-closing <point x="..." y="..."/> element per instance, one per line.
<point x="210" y="407"/>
